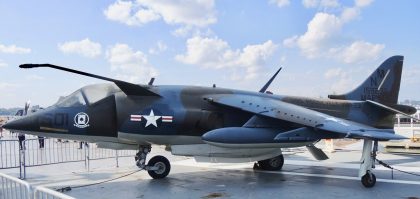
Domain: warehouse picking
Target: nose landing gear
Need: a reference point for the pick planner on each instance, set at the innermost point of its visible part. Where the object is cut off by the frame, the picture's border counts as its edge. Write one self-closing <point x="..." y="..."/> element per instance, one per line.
<point x="158" y="166"/>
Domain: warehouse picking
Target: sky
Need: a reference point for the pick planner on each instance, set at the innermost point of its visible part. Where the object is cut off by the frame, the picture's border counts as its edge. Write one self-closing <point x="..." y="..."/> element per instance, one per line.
<point x="324" y="46"/>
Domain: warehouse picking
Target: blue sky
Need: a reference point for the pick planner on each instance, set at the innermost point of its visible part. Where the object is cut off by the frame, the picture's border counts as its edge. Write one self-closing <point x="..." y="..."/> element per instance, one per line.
<point x="324" y="46"/>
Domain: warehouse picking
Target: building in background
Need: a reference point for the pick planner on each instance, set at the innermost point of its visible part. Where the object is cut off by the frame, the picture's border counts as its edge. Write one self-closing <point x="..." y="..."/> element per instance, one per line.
<point x="407" y="126"/>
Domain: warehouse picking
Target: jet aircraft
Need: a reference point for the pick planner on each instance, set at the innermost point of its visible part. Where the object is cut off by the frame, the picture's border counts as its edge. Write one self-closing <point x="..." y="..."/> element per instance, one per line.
<point x="222" y="125"/>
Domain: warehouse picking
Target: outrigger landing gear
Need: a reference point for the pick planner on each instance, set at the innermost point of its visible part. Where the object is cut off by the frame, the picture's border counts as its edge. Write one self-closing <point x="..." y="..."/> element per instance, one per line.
<point x="158" y="166"/>
<point x="368" y="163"/>
<point x="272" y="164"/>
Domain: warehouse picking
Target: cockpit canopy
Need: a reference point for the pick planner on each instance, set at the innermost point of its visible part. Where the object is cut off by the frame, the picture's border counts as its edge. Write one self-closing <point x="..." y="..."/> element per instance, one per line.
<point x="88" y="95"/>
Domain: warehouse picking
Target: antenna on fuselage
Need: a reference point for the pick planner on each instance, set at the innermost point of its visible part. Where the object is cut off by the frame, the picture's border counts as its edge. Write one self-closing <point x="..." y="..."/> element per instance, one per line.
<point x="264" y="88"/>
<point x="151" y="81"/>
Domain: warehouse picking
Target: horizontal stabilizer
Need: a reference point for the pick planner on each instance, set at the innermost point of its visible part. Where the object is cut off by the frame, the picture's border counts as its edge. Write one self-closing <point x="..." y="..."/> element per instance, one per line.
<point x="409" y="109"/>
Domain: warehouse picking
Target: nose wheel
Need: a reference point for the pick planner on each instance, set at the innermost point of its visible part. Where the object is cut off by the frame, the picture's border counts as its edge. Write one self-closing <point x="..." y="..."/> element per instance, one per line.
<point x="158" y="166"/>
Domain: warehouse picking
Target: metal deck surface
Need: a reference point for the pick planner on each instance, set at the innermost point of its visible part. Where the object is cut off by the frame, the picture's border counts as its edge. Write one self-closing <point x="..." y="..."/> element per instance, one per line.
<point x="301" y="177"/>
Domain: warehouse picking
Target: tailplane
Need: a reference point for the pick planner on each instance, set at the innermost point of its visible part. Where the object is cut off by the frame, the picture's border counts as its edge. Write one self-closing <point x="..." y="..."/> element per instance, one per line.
<point x="382" y="86"/>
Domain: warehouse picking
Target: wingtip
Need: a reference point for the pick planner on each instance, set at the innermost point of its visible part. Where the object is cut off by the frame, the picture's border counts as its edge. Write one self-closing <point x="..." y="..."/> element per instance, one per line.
<point x="27" y="65"/>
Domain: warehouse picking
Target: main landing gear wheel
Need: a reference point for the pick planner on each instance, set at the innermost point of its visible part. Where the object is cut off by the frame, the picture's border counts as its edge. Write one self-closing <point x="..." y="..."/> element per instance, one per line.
<point x="272" y="164"/>
<point x="368" y="180"/>
<point x="158" y="167"/>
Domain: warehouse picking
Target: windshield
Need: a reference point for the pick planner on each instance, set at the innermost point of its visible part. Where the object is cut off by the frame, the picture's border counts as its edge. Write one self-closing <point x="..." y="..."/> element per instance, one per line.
<point x="94" y="93"/>
<point x="74" y="99"/>
<point x="87" y="95"/>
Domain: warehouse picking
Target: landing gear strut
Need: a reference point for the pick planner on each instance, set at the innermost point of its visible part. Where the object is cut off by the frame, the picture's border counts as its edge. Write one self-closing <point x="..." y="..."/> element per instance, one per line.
<point x="368" y="163"/>
<point x="158" y="166"/>
<point x="272" y="164"/>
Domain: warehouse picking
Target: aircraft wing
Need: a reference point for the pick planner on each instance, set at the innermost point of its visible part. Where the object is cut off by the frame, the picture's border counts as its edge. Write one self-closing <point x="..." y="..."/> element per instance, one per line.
<point x="126" y="87"/>
<point x="280" y="110"/>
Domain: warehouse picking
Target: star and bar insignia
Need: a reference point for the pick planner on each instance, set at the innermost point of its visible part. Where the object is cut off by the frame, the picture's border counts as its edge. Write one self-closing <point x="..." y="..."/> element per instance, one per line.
<point x="151" y="119"/>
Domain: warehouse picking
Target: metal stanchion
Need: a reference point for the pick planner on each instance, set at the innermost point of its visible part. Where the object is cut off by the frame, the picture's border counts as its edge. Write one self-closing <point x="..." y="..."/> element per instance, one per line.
<point x="116" y="157"/>
<point x="87" y="157"/>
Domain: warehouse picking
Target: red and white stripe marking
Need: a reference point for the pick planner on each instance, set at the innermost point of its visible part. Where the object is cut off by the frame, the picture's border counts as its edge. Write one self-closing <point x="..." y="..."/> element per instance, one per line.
<point x="135" y="118"/>
<point x="167" y="118"/>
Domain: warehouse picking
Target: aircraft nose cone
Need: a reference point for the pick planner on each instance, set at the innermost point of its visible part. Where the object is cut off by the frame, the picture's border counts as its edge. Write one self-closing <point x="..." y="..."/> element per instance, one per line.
<point x="23" y="124"/>
<point x="6" y="126"/>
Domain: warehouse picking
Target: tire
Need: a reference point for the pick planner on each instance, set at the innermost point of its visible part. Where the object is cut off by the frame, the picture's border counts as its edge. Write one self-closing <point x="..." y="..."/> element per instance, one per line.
<point x="164" y="167"/>
<point x="368" y="180"/>
<point x="272" y="164"/>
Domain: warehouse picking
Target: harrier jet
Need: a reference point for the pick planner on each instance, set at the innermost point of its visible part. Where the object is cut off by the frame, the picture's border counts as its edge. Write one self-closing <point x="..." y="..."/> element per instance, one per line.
<point x="222" y="125"/>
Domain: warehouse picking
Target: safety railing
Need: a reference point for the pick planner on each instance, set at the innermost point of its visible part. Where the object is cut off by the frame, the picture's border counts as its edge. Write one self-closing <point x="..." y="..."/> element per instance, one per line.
<point x="9" y="154"/>
<point x="47" y="151"/>
<point x="45" y="193"/>
<point x="96" y="153"/>
<point x="14" y="188"/>
<point x="7" y="135"/>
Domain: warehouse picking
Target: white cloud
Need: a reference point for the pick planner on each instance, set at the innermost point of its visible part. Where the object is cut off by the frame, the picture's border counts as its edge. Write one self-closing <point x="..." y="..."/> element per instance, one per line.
<point x="329" y="3"/>
<point x="130" y="65"/>
<point x="350" y="14"/>
<point x="145" y="16"/>
<point x="321" y="29"/>
<point x="13" y="49"/>
<point x="363" y="3"/>
<point x="411" y="75"/>
<point x="34" y="77"/>
<point x="187" y="30"/>
<point x="160" y="47"/>
<point x="4" y="86"/>
<point x="123" y="12"/>
<point x="182" y="31"/>
<point x="342" y="80"/>
<point x="333" y="72"/>
<point x="3" y="64"/>
<point x="208" y="52"/>
<point x="217" y="54"/>
<point x="280" y="3"/>
<point x="291" y="41"/>
<point x="361" y="51"/>
<point x="323" y="37"/>
<point x="120" y="11"/>
<point x="193" y="13"/>
<point x="84" y="48"/>
<point x="342" y="85"/>
<point x="321" y="3"/>
<point x="310" y="3"/>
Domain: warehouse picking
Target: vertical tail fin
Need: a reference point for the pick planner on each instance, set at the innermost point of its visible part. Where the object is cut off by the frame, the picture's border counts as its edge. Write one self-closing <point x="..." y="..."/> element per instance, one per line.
<point x="382" y="86"/>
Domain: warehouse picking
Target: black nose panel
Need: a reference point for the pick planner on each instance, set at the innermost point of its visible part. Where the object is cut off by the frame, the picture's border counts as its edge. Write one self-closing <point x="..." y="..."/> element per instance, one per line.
<point x="26" y="123"/>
